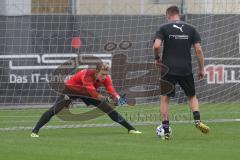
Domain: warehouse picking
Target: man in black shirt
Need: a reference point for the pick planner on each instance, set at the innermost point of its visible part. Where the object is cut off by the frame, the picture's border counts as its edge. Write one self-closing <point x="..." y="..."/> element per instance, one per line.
<point x="177" y="38"/>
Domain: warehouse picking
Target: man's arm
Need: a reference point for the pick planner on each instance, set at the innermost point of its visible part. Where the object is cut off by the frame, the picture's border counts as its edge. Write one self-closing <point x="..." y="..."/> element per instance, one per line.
<point x="109" y="87"/>
<point x="156" y="48"/>
<point x="93" y="92"/>
<point x="156" y="51"/>
<point x="118" y="99"/>
<point x="88" y="85"/>
<point x="200" y="58"/>
<point x="158" y="39"/>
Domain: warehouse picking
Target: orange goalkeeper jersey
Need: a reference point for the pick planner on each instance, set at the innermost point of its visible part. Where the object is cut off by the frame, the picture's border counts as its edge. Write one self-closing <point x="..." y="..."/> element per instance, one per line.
<point x="85" y="83"/>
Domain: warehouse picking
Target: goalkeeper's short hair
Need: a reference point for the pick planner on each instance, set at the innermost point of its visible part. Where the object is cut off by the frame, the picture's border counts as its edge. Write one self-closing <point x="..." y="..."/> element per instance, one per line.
<point x="103" y="66"/>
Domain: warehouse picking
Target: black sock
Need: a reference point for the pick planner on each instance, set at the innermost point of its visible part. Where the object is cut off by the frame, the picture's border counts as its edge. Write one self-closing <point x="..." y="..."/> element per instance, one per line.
<point x="196" y="116"/>
<point x="115" y="116"/>
<point x="43" y="120"/>
<point x="165" y="125"/>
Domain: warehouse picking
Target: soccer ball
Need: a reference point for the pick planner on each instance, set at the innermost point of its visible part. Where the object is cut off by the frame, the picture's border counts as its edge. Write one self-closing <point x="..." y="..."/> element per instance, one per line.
<point x="160" y="131"/>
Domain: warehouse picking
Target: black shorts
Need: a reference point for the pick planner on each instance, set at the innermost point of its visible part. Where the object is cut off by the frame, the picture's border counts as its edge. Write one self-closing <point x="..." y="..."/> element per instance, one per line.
<point x="73" y="95"/>
<point x="87" y="100"/>
<point x="185" y="82"/>
<point x="64" y="101"/>
<point x="90" y="101"/>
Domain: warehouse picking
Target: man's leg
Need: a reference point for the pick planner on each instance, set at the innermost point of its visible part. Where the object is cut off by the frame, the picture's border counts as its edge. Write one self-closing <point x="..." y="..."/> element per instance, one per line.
<point x="164" y="103"/>
<point x="193" y="103"/>
<point x="61" y="102"/>
<point x="164" y="112"/>
<point x="113" y="114"/>
<point x="187" y="84"/>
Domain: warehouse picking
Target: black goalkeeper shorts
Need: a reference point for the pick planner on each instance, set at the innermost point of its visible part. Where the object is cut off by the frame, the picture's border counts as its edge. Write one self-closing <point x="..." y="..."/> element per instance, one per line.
<point x="87" y="100"/>
<point x="185" y="82"/>
<point x="73" y="95"/>
<point x="90" y="101"/>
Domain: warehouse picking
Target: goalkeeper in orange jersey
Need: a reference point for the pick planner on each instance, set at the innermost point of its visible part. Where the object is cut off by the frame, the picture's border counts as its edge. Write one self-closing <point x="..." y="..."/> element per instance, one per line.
<point x="83" y="85"/>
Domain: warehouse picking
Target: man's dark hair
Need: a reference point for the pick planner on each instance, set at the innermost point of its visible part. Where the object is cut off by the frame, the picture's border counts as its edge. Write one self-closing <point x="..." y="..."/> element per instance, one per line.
<point x="172" y="10"/>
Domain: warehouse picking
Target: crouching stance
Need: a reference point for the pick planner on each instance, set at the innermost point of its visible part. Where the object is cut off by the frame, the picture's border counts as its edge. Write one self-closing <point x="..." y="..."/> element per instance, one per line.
<point x="83" y="85"/>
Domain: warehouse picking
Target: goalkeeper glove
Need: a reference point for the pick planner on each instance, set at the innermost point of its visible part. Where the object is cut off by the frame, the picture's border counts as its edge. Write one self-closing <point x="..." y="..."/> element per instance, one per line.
<point x="116" y="102"/>
<point x="122" y="100"/>
<point x="111" y="101"/>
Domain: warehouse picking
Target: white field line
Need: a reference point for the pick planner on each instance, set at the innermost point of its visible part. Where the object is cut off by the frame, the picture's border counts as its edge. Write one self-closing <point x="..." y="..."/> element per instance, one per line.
<point x="20" y="128"/>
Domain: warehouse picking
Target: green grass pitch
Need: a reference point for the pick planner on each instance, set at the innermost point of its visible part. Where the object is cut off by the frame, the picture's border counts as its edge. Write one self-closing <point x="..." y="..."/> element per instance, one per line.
<point x="113" y="143"/>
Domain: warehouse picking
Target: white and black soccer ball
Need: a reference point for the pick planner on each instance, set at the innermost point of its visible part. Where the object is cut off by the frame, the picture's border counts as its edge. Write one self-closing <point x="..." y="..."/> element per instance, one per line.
<point x="160" y="131"/>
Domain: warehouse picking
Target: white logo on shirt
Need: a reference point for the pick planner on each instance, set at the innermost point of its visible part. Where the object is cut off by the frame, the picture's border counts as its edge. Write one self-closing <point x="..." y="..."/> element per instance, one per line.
<point x="178" y="36"/>
<point x="180" y="28"/>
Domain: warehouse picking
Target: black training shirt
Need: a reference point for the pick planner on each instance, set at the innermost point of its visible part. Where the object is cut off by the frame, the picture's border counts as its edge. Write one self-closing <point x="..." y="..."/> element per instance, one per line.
<point x="178" y="37"/>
